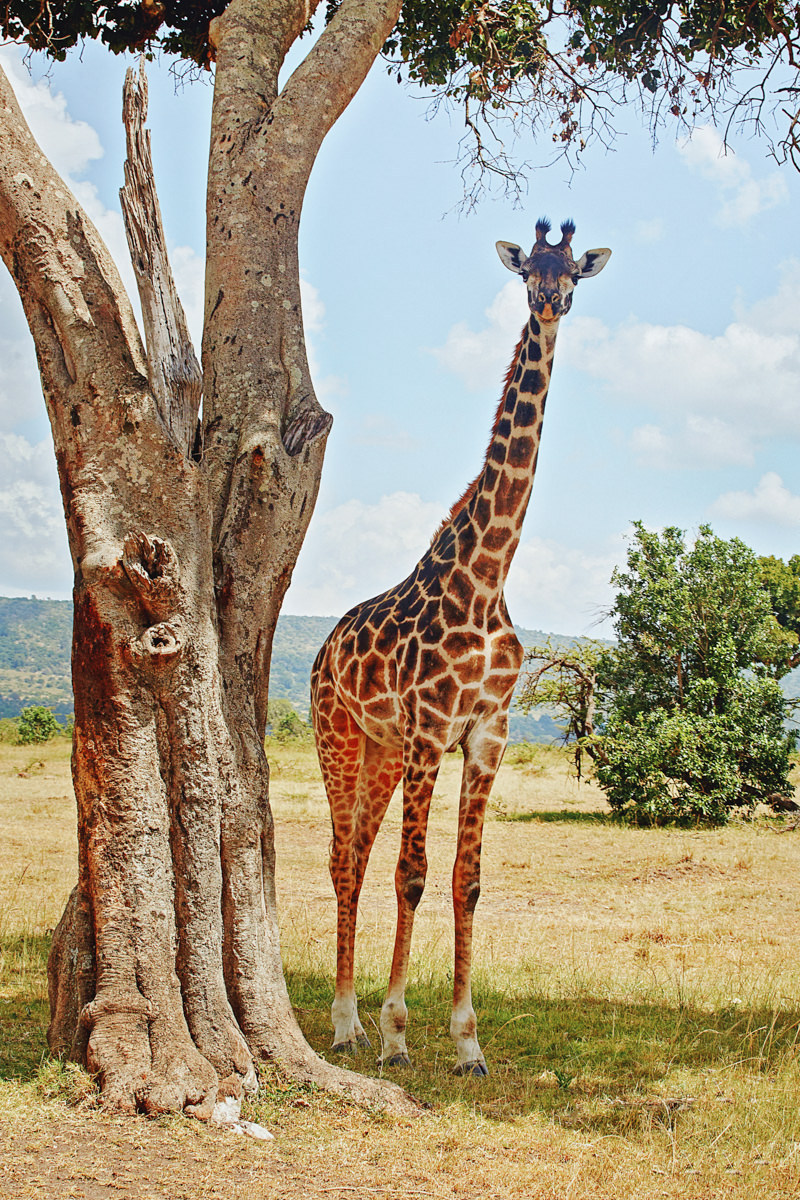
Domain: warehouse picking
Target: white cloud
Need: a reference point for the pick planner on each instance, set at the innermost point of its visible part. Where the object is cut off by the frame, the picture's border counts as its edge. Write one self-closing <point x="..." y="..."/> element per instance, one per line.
<point x="480" y="358"/>
<point x="313" y="307"/>
<point x="779" y="313"/>
<point x="33" y="550"/>
<point x="742" y="196"/>
<point x="649" y="231"/>
<point x="189" y="271"/>
<point x="20" y="389"/>
<point x="697" y="442"/>
<point x="744" y="381"/>
<point x="562" y="589"/>
<point x="69" y="144"/>
<point x="382" y="431"/>
<point x="314" y="323"/>
<point x="715" y="397"/>
<point x="357" y="550"/>
<point x="770" y="502"/>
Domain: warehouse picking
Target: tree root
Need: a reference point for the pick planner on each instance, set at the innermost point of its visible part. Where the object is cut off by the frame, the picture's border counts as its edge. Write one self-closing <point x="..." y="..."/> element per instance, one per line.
<point x="142" y="1064"/>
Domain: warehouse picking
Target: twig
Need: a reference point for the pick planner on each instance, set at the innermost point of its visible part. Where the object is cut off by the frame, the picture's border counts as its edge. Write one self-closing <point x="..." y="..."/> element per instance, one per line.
<point x="354" y="1187"/>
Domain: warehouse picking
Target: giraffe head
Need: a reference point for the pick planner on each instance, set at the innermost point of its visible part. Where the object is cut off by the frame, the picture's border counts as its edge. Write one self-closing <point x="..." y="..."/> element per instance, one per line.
<point x="551" y="272"/>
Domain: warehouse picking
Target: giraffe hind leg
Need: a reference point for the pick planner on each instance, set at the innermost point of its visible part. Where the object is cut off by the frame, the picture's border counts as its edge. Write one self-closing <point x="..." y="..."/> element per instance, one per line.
<point x="420" y="770"/>
<point x="359" y="779"/>
<point x="482" y="755"/>
<point x="380" y="771"/>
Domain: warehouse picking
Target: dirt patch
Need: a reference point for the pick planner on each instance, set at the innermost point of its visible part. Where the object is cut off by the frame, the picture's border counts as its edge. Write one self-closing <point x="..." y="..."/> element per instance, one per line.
<point x="685" y="868"/>
<point x="92" y="1157"/>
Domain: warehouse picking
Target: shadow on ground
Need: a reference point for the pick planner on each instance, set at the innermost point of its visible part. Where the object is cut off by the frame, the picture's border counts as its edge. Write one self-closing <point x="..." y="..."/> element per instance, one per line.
<point x="585" y="1062"/>
<point x="24" y="1011"/>
<point x="562" y="1056"/>
<point x="567" y="815"/>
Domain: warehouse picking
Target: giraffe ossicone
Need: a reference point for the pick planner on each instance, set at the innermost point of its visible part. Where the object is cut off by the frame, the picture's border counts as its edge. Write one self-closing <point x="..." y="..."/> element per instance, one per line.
<point x="431" y="664"/>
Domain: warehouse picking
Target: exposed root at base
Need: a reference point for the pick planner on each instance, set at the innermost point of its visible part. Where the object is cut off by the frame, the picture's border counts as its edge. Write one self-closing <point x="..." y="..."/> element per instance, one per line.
<point x="301" y="1064"/>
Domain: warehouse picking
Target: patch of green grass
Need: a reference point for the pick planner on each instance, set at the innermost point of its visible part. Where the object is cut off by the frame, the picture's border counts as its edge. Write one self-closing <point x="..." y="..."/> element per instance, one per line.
<point x="65" y="1081"/>
<point x="714" y="1084"/>
<point x="24" y="1012"/>
<point x="589" y="1063"/>
<point x="546" y="816"/>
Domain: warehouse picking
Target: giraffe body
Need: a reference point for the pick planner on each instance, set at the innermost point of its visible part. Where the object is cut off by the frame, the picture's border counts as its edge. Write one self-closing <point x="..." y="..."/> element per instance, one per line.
<point x="431" y="664"/>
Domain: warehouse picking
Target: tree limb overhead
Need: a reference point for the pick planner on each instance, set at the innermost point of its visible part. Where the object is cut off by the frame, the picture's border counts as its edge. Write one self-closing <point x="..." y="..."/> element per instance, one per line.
<point x="172" y="367"/>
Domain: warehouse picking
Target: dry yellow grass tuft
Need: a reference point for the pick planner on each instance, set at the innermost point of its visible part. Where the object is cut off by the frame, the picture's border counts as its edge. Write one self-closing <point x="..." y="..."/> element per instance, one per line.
<point x="638" y="993"/>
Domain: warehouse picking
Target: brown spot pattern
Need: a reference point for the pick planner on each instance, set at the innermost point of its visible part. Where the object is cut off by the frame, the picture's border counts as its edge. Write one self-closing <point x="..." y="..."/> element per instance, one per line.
<point x="423" y="667"/>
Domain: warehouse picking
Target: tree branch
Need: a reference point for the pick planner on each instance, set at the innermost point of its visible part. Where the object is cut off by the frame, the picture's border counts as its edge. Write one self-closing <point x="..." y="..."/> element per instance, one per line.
<point x="65" y="276"/>
<point x="320" y="89"/>
<point x="172" y="367"/>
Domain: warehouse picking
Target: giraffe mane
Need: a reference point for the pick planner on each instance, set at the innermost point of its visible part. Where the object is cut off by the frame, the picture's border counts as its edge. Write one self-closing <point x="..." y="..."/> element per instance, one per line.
<point x="464" y="499"/>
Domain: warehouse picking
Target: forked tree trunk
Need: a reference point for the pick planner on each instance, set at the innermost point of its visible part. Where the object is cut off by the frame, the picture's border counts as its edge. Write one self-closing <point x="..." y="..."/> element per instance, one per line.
<point x="165" y="973"/>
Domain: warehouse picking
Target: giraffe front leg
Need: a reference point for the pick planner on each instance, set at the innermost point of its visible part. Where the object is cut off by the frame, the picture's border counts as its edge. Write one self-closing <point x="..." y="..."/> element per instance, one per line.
<point x="347" y="1031"/>
<point x="378" y="776"/>
<point x="421" y="768"/>
<point x="340" y="745"/>
<point x="481" y="760"/>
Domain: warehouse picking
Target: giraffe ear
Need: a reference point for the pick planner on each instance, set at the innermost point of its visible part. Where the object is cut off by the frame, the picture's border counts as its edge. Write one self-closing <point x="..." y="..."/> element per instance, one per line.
<point x="511" y="255"/>
<point x="592" y="262"/>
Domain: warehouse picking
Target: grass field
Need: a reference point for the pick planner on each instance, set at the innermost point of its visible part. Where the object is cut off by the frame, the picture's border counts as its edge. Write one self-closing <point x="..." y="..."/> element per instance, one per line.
<point x="638" y="996"/>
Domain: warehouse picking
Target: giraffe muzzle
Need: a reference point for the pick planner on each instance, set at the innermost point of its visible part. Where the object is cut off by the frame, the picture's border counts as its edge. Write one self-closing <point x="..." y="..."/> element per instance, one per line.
<point x="547" y="310"/>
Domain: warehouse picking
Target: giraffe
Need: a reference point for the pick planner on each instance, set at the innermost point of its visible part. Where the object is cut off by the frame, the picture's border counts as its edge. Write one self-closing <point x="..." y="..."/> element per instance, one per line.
<point x="430" y="665"/>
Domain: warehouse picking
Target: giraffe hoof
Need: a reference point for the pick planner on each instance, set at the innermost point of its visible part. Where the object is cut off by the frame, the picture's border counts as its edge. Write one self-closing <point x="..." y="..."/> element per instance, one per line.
<point x="359" y="1042"/>
<point x="396" y="1060"/>
<point x="476" y="1068"/>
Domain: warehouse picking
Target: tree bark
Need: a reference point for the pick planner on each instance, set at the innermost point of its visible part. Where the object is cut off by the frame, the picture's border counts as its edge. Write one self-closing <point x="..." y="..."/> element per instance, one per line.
<point x="165" y="973"/>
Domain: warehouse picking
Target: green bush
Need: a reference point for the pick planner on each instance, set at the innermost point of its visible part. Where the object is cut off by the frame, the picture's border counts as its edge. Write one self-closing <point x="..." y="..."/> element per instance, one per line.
<point x="291" y="728"/>
<point x="525" y="754"/>
<point x="36" y="724"/>
<point x="689" y="767"/>
<point x="285" y="724"/>
<point x="691" y="725"/>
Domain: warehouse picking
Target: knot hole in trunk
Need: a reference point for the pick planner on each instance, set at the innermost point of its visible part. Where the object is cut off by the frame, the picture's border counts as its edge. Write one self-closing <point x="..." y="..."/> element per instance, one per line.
<point x="151" y="566"/>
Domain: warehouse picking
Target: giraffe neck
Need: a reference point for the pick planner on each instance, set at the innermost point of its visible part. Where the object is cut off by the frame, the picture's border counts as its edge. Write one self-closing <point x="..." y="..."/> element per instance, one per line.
<point x="495" y="504"/>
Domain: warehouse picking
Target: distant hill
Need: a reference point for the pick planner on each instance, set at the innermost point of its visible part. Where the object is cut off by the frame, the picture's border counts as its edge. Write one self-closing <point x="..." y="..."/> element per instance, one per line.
<point x="297" y="640"/>
<point x="35" y="638"/>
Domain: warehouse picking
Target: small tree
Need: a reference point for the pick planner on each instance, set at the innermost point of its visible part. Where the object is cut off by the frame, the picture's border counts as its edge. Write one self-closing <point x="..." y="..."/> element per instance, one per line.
<point x="692" y="727"/>
<point x="563" y="678"/>
<point x="36" y="724"/>
<point x="681" y="720"/>
<point x="285" y="723"/>
<point x="781" y="581"/>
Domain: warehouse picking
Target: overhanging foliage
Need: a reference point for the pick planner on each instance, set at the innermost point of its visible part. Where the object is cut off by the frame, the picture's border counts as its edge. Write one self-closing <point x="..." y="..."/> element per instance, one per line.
<point x="560" y="69"/>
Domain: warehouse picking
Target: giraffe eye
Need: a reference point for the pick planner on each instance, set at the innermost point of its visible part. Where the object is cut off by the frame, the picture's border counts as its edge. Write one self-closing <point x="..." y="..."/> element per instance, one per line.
<point x="575" y="278"/>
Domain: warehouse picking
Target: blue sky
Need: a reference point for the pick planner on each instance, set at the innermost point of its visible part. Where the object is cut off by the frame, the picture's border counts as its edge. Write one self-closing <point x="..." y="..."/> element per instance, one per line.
<point x="676" y="390"/>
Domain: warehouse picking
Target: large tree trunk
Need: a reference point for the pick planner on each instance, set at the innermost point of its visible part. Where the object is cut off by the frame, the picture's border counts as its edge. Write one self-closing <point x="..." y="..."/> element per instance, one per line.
<point x="165" y="974"/>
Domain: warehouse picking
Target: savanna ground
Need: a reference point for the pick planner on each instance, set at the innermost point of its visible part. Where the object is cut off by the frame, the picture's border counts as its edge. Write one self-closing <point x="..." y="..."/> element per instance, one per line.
<point x="638" y="993"/>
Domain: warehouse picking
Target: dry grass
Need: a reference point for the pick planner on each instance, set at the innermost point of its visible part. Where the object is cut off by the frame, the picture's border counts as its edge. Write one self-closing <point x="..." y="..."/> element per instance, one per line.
<point x="638" y="999"/>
